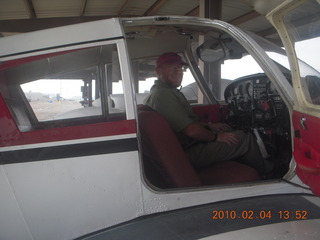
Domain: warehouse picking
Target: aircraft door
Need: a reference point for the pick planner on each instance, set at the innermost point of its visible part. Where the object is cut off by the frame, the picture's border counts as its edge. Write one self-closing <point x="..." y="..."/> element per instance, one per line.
<point x="299" y="28"/>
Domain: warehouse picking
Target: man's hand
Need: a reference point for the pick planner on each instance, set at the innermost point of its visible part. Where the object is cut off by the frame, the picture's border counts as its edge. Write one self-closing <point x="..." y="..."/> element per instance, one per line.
<point x="201" y="133"/>
<point x="229" y="138"/>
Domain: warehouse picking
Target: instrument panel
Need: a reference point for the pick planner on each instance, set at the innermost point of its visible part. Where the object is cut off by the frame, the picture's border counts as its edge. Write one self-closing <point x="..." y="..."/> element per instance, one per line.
<point x="255" y="100"/>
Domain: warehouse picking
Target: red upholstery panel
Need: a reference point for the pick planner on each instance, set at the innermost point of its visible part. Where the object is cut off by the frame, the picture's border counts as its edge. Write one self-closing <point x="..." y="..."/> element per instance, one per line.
<point x="211" y="113"/>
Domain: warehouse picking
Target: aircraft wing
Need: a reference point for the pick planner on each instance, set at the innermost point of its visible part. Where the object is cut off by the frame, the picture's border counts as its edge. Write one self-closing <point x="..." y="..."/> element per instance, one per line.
<point x="263" y="217"/>
<point x="284" y="230"/>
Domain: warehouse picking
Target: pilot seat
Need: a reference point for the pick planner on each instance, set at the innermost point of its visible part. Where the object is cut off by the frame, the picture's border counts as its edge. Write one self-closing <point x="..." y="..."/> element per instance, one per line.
<point x="167" y="166"/>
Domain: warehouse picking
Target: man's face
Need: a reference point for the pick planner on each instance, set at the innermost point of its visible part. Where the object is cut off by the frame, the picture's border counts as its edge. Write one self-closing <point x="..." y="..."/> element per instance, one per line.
<point x="171" y="74"/>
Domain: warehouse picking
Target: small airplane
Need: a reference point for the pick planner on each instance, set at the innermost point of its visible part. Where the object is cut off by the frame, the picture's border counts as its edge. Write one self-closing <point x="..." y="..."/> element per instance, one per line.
<point x="81" y="157"/>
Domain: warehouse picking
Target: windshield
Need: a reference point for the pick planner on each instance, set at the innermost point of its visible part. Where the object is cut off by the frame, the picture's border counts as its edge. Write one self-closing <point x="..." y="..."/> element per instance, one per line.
<point x="237" y="63"/>
<point x="234" y="68"/>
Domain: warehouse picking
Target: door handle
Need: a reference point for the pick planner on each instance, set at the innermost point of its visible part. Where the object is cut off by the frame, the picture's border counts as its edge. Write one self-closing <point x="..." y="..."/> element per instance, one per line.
<point x="303" y="123"/>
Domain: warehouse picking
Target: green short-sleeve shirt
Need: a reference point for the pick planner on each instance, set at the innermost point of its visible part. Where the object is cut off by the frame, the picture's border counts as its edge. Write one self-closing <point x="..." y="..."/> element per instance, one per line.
<point x="172" y="105"/>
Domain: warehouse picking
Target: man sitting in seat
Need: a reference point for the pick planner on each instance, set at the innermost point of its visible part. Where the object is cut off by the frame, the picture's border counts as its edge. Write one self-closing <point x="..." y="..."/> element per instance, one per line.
<point x="204" y="143"/>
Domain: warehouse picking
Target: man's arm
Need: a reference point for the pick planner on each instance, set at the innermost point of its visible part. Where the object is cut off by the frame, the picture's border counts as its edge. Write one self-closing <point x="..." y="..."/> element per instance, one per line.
<point x="199" y="132"/>
<point x="218" y="127"/>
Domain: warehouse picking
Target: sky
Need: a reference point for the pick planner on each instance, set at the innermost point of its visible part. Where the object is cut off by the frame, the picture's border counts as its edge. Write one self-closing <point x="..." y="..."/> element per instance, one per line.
<point x="67" y="88"/>
<point x="309" y="51"/>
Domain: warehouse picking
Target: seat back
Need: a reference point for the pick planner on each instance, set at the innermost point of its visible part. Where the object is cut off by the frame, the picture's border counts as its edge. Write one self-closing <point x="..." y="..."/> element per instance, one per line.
<point x="166" y="163"/>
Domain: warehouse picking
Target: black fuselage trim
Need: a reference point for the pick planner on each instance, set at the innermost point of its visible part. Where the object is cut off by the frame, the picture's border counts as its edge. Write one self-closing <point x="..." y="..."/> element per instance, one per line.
<point x="69" y="151"/>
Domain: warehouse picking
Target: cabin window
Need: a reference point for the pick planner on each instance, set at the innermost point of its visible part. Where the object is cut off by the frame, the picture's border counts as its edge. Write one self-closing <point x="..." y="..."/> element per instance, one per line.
<point x="61" y="97"/>
<point x="306" y="37"/>
<point x="69" y="88"/>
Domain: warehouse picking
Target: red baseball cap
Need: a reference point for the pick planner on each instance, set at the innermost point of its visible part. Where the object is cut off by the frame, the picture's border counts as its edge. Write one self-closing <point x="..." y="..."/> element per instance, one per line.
<point x="170" y="58"/>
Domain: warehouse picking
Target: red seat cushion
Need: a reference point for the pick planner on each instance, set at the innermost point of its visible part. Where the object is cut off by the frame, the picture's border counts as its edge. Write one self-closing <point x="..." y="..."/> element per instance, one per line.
<point x="228" y="172"/>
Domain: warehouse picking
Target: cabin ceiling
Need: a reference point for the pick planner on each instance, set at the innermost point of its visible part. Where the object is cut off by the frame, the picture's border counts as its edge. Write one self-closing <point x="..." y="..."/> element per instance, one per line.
<point x="17" y="16"/>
